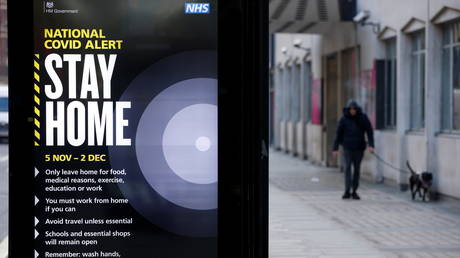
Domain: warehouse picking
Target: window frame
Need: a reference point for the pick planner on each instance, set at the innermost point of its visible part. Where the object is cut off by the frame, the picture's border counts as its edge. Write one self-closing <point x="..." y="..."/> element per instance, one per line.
<point x="390" y="82"/>
<point x="307" y="85"/>
<point x="416" y="56"/>
<point x="279" y="94"/>
<point x="288" y="96"/>
<point x="449" y="46"/>
<point x="295" y="99"/>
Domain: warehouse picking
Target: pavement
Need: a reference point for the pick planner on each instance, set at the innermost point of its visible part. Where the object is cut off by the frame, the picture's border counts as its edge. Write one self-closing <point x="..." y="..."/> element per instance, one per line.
<point x="3" y="199"/>
<point x="308" y="218"/>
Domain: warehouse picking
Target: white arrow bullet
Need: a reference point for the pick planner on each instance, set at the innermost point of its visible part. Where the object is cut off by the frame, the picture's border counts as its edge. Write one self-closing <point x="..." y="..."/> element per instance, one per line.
<point x="36" y="200"/>
<point x="36" y="234"/>
<point x="36" y="221"/>
<point x="36" y="253"/>
<point x="36" y="172"/>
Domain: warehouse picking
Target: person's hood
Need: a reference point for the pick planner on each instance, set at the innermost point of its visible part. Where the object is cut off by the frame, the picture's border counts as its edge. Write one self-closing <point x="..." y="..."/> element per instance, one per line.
<point x="352" y="103"/>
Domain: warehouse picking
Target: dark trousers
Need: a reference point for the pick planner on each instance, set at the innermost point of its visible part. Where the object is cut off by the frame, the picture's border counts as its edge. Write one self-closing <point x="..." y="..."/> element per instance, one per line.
<point x="352" y="158"/>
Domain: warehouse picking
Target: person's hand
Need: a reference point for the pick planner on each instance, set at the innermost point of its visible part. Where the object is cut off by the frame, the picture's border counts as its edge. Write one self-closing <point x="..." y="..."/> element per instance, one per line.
<point x="335" y="153"/>
<point x="371" y="149"/>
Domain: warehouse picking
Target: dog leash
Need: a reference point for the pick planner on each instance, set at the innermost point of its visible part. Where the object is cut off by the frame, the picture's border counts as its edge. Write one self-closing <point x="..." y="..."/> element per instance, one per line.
<point x="388" y="164"/>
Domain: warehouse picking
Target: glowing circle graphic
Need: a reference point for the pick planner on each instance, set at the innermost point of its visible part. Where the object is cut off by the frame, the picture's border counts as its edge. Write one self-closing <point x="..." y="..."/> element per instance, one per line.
<point x="203" y="143"/>
<point x="173" y="124"/>
<point x="189" y="154"/>
<point x="167" y="154"/>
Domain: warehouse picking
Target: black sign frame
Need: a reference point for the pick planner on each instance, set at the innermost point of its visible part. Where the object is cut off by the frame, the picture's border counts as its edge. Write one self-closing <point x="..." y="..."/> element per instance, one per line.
<point x="243" y="129"/>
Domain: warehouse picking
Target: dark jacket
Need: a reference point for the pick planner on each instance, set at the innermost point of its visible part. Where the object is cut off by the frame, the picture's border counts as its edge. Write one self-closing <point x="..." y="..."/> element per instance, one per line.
<point x="351" y="130"/>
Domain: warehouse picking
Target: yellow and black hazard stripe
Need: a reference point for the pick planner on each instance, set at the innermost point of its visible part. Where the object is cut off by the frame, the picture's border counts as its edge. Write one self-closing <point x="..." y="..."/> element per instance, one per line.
<point x="36" y="117"/>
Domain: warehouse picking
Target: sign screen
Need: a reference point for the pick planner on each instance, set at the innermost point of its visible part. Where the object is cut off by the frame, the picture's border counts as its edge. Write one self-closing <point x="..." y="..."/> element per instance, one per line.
<point x="125" y="128"/>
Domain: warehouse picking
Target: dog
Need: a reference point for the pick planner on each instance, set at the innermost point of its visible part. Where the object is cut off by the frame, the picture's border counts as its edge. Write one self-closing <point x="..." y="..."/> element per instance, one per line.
<point x="420" y="183"/>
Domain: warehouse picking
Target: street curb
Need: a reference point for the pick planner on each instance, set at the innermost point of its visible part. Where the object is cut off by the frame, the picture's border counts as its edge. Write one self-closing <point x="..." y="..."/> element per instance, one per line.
<point x="4" y="248"/>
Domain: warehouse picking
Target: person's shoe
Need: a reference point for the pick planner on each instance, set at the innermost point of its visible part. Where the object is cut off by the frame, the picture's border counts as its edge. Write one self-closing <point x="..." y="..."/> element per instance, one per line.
<point x="355" y="196"/>
<point x="346" y="195"/>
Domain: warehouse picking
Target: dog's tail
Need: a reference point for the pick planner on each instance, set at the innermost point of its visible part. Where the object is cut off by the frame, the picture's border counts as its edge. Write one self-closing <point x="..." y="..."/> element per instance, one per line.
<point x="412" y="171"/>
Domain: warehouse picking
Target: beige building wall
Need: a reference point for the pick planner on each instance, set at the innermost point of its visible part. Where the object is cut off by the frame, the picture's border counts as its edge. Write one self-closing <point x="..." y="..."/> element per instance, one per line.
<point x="429" y="149"/>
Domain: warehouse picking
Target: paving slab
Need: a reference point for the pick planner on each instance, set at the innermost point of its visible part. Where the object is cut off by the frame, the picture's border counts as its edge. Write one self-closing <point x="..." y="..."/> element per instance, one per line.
<point x="308" y="218"/>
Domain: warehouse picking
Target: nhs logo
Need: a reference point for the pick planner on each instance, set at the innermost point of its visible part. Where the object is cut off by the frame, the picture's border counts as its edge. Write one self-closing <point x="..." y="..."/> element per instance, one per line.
<point x="197" y="8"/>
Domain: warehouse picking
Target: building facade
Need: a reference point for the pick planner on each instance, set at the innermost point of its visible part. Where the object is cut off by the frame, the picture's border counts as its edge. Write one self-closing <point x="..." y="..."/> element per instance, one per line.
<point x="400" y="61"/>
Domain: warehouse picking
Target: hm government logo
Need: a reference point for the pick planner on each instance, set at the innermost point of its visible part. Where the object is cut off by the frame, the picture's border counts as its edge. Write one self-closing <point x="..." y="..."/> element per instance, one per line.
<point x="197" y="8"/>
<point x="49" y="7"/>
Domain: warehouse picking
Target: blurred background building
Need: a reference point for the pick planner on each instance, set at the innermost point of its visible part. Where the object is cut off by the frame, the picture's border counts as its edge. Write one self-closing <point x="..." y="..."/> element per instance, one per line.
<point x="399" y="59"/>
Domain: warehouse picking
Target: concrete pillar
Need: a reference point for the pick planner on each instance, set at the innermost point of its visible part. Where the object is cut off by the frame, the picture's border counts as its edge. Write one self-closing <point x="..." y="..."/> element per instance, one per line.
<point x="278" y="107"/>
<point x="403" y="72"/>
<point x="286" y="107"/>
<point x="302" y="82"/>
<point x="433" y="85"/>
<point x="294" y="109"/>
<point x="303" y="109"/>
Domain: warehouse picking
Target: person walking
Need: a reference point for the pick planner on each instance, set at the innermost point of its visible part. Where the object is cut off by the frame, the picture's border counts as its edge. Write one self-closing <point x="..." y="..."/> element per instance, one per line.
<point x="351" y="131"/>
